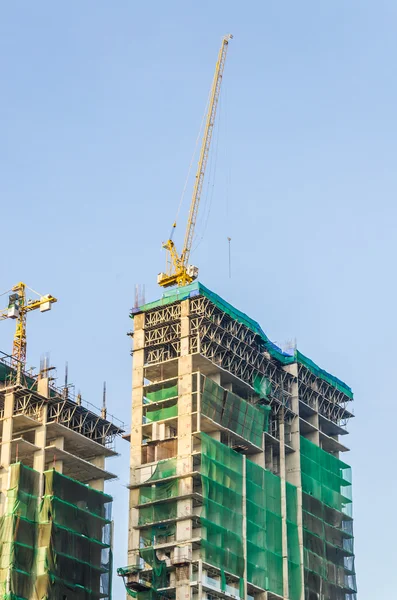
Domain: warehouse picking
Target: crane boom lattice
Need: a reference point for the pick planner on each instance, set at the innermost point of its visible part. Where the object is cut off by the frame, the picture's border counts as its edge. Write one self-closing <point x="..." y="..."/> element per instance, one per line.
<point x="179" y="272"/>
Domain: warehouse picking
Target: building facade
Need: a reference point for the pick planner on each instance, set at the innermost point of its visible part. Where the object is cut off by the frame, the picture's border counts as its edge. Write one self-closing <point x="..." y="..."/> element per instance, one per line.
<point x="238" y="485"/>
<point x="55" y="519"/>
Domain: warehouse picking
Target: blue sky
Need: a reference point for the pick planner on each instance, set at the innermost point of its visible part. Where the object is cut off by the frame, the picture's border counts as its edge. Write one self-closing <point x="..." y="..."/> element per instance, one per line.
<point x="99" y="111"/>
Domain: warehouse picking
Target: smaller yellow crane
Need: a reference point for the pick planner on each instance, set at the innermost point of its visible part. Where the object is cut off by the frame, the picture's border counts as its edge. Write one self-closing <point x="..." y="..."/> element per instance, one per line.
<point x="179" y="272"/>
<point x="18" y="307"/>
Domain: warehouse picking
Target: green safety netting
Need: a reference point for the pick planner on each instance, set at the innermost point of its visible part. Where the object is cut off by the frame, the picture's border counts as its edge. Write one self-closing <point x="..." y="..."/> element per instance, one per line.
<point x="159" y="491"/>
<point x="221" y="515"/>
<point x="157" y="512"/>
<point x="196" y="289"/>
<point x="162" y="413"/>
<point x="325" y="477"/>
<point x="74" y="554"/>
<point x="229" y="410"/>
<point x="327" y="525"/>
<point x="164" y="468"/>
<point x="159" y="567"/>
<point x="294" y="559"/>
<point x="157" y="534"/>
<point x="166" y="392"/>
<point x="18" y="534"/>
<point x="58" y="547"/>
<point x="262" y="386"/>
<point x="264" y="529"/>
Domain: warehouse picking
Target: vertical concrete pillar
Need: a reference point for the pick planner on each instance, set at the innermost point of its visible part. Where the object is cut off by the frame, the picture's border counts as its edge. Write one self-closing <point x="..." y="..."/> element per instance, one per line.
<point x="40" y="434"/>
<point x="136" y="430"/>
<point x="184" y="451"/>
<point x="293" y="467"/>
<point x="283" y="505"/>
<point x="98" y="484"/>
<point x="5" y="452"/>
<point x="57" y="464"/>
<point x="245" y="524"/>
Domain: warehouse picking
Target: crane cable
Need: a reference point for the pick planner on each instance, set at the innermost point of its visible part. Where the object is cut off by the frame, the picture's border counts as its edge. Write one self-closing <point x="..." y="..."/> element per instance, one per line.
<point x="191" y="163"/>
<point x="212" y="177"/>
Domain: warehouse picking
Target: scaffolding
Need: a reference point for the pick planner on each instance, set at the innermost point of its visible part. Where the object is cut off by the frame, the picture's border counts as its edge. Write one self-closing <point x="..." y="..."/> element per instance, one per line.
<point x="237" y="488"/>
<point x="55" y="533"/>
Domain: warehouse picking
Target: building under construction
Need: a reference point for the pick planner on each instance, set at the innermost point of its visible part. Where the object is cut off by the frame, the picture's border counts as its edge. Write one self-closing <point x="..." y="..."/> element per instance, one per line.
<point x="56" y="525"/>
<point x="238" y="488"/>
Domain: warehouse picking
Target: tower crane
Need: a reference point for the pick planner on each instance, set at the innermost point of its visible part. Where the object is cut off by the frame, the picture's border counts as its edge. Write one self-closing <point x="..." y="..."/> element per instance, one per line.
<point x="179" y="271"/>
<point x="18" y="308"/>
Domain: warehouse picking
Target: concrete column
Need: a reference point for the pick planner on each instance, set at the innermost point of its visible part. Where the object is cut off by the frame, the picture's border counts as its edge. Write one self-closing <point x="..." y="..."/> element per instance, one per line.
<point x="283" y="506"/>
<point x="58" y="463"/>
<point x="98" y="484"/>
<point x="40" y="434"/>
<point x="5" y="452"/>
<point x="293" y="467"/>
<point x="136" y="431"/>
<point x="184" y="450"/>
<point x="245" y="523"/>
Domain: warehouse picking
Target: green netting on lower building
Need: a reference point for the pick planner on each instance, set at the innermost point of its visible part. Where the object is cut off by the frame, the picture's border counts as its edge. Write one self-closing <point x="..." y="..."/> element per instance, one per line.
<point x="157" y="512"/>
<point x="159" y="491"/>
<point x="164" y="468"/>
<point x="166" y="392"/>
<point x="264" y="529"/>
<point x="294" y="558"/>
<point x="229" y="410"/>
<point x="18" y="534"/>
<point x="221" y="515"/>
<point x="74" y="555"/>
<point x="58" y="547"/>
<point x="162" y="413"/>
<point x="327" y="524"/>
<point x="325" y="477"/>
<point x="159" y="567"/>
<point x="157" y="534"/>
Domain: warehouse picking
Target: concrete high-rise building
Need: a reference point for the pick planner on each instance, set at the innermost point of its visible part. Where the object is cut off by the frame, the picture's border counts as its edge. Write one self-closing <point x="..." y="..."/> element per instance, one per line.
<point x="238" y="483"/>
<point x="55" y="518"/>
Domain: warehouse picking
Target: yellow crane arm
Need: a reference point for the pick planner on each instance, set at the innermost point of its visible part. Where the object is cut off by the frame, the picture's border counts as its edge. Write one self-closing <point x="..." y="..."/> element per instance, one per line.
<point x="205" y="148"/>
<point x="17" y="309"/>
<point x="179" y="272"/>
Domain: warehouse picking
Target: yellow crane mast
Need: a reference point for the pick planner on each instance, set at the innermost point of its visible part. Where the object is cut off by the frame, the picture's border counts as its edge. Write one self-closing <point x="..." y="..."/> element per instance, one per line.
<point x="18" y="307"/>
<point x="179" y="272"/>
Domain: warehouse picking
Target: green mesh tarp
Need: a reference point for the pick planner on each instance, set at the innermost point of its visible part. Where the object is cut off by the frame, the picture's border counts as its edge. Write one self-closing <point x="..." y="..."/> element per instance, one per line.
<point x="221" y="515"/>
<point x="18" y="534"/>
<point x="160" y="491"/>
<point x="164" y="468"/>
<point x="327" y="525"/>
<point x="196" y="289"/>
<point x="264" y="529"/>
<point x="229" y="410"/>
<point x="157" y="512"/>
<point x="162" y="413"/>
<point x="159" y="567"/>
<point x="164" y="394"/>
<point x="157" y="534"/>
<point x="325" y="477"/>
<point x="262" y="386"/>
<point x="74" y="555"/>
<point x="294" y="569"/>
<point x="58" y="548"/>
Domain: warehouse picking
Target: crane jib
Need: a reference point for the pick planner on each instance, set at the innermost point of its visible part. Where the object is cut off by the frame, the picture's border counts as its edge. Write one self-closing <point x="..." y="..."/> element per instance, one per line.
<point x="179" y="272"/>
